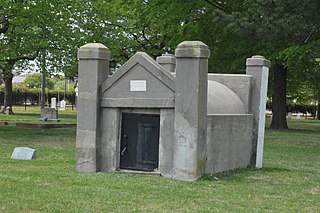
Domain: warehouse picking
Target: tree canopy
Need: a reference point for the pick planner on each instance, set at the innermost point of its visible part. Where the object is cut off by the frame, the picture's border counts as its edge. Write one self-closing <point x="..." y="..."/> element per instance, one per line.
<point x="284" y="31"/>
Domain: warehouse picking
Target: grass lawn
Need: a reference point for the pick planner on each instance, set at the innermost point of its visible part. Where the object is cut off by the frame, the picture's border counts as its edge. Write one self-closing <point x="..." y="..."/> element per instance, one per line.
<point x="32" y="114"/>
<point x="288" y="182"/>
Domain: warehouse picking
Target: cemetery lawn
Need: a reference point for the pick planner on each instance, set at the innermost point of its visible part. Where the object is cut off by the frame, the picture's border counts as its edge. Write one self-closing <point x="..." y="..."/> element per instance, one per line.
<point x="288" y="182"/>
<point x="31" y="114"/>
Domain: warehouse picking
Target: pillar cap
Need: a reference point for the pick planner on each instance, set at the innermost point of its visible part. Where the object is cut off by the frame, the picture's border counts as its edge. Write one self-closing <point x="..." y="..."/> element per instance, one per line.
<point x="166" y="59"/>
<point x="94" y="51"/>
<point x="258" y="60"/>
<point x="192" y="49"/>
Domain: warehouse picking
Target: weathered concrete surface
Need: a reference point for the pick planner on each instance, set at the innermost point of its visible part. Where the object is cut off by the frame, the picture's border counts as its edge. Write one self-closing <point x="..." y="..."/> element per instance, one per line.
<point x="222" y="100"/>
<point x="168" y="62"/>
<point x="239" y="84"/>
<point x="93" y="70"/>
<point x="190" y="122"/>
<point x="139" y="60"/>
<point x="229" y="142"/>
<point x="190" y="142"/>
<point x="109" y="147"/>
<point x="258" y="68"/>
<point x="166" y="142"/>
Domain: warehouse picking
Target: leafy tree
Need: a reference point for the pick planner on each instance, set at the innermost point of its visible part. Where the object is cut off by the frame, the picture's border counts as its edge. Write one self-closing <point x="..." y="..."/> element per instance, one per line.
<point x="43" y="30"/>
<point x="34" y="81"/>
<point x="287" y="32"/>
<point x="283" y="31"/>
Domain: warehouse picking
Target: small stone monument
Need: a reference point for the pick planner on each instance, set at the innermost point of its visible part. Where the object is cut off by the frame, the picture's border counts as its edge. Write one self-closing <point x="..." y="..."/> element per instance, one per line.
<point x="53" y="103"/>
<point x="298" y="117"/>
<point x="23" y="153"/>
<point x="7" y="111"/>
<point x="63" y="105"/>
<point x="289" y="115"/>
<point x="49" y="114"/>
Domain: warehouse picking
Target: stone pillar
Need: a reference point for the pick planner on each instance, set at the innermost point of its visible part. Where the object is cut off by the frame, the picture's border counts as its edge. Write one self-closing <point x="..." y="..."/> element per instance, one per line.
<point x="166" y="139"/>
<point x="190" y="123"/>
<point x="258" y="68"/>
<point x="168" y="61"/>
<point x="93" y="70"/>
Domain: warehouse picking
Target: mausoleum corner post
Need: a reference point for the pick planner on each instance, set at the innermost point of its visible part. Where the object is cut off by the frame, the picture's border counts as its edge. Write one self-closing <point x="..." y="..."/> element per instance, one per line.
<point x="93" y="69"/>
<point x="258" y="68"/>
<point x="190" y="123"/>
<point x="168" y="61"/>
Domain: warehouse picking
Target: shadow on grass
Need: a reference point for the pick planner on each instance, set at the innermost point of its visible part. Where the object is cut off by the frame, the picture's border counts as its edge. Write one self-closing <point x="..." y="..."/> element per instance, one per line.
<point x="68" y="116"/>
<point x="27" y="114"/>
<point x="294" y="130"/>
<point x="242" y="173"/>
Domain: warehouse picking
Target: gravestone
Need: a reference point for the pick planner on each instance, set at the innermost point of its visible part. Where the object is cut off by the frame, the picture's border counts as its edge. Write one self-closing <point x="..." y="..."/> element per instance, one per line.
<point x="49" y="114"/>
<point x="23" y="153"/>
<point x="63" y="105"/>
<point x="298" y="117"/>
<point x="289" y="115"/>
<point x="53" y="103"/>
<point x="7" y="111"/>
<point x="3" y="123"/>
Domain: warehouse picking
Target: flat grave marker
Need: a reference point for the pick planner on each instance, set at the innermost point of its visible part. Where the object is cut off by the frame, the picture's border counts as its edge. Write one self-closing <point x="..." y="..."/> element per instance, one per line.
<point x="23" y="153"/>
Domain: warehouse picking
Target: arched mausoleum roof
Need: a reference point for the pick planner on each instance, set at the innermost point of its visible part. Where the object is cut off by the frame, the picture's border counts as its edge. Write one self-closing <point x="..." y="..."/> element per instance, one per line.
<point x="222" y="100"/>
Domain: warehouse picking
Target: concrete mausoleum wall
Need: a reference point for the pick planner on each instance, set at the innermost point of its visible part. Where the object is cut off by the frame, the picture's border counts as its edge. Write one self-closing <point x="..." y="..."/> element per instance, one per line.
<point x="229" y="142"/>
<point x="209" y="123"/>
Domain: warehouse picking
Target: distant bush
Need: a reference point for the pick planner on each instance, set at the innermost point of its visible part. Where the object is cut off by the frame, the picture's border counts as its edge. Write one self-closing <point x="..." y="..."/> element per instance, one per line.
<point x="21" y="94"/>
<point x="297" y="107"/>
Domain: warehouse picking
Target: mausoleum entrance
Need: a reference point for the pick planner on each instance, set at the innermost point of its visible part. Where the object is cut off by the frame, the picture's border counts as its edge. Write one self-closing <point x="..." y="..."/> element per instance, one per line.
<point x="139" y="148"/>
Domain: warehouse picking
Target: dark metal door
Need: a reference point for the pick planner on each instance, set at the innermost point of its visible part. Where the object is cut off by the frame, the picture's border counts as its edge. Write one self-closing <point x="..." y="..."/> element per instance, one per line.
<point x="139" y="148"/>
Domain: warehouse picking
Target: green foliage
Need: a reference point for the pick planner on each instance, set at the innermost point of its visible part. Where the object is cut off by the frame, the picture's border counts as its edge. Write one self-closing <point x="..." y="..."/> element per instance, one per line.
<point x="32" y="95"/>
<point x="287" y="32"/>
<point x="34" y="81"/>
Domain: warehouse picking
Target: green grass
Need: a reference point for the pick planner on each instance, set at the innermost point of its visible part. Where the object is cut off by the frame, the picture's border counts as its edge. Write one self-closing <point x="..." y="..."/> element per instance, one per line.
<point x="288" y="182"/>
<point x="33" y="113"/>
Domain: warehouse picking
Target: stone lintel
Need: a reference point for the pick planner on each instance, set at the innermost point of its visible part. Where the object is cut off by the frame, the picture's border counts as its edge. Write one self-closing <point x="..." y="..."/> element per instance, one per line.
<point x="94" y="51"/>
<point x="258" y="60"/>
<point x="138" y="102"/>
<point x="192" y="49"/>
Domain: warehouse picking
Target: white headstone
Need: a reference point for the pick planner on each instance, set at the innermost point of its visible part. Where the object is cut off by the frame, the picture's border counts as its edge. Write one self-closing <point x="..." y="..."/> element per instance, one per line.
<point x="76" y="90"/>
<point x="289" y="115"/>
<point x="23" y="153"/>
<point x="53" y="103"/>
<point x="63" y="105"/>
<point x="298" y="117"/>
<point x="7" y="111"/>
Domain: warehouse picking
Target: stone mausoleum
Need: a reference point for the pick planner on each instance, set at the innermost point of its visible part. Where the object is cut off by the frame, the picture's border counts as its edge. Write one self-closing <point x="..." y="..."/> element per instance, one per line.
<point x="169" y="116"/>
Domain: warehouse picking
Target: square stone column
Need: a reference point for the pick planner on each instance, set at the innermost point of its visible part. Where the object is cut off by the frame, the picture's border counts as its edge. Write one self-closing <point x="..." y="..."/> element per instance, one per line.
<point x="168" y="62"/>
<point x="190" y="123"/>
<point x="258" y="68"/>
<point x="93" y="70"/>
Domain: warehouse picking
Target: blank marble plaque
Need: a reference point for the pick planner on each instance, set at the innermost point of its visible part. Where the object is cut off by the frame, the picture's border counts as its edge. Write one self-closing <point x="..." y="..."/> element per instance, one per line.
<point x="23" y="153"/>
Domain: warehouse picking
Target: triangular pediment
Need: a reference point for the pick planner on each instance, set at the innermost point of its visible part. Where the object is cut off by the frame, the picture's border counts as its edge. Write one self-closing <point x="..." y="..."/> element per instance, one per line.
<point x="140" y="76"/>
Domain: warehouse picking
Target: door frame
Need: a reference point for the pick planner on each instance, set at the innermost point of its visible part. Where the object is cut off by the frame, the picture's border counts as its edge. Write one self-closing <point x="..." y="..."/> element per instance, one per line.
<point x="143" y="111"/>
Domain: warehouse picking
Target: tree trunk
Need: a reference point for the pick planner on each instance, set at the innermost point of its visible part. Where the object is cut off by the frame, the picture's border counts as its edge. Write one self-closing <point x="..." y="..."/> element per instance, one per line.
<point x="43" y="80"/>
<point x="43" y="91"/>
<point x="8" y="93"/>
<point x="318" y="109"/>
<point x="279" y="101"/>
